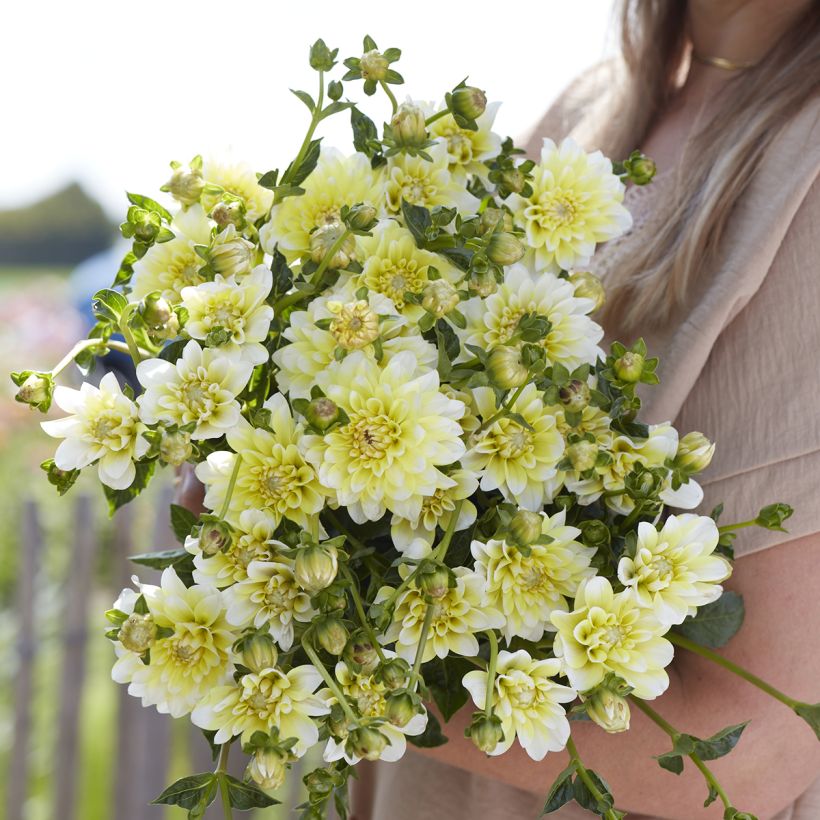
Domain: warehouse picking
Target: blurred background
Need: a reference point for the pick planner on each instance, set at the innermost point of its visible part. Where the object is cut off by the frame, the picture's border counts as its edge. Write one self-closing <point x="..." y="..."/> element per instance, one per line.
<point x="98" y="98"/>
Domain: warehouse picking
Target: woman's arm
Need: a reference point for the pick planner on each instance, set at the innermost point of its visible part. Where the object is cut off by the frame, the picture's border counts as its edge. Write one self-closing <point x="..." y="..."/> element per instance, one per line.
<point x="778" y="755"/>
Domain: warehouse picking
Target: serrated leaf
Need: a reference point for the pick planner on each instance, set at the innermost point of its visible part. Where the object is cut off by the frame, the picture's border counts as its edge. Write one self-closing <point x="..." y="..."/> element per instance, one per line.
<point x="108" y="305"/>
<point x="561" y="791"/>
<point x="432" y="735"/>
<point x="245" y="796"/>
<point x="715" y="624"/>
<point x="149" y="205"/>
<point x="720" y="743"/>
<point x="190" y="792"/>
<point x="182" y="522"/>
<point x="295" y="175"/>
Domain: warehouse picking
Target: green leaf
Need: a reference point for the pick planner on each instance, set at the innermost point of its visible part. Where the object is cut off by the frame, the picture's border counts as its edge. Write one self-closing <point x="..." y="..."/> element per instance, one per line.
<point x="715" y="624"/>
<point x="116" y="498"/>
<point x="365" y="133"/>
<point x="171" y="352"/>
<point x="584" y="796"/>
<point x="149" y="205"/>
<point x="246" y="796"/>
<point x="159" y="560"/>
<point x="268" y="179"/>
<point x="431" y="737"/>
<point x="298" y="174"/>
<point x="418" y="220"/>
<point x="335" y="107"/>
<point x="63" y="480"/>
<point x="561" y="791"/>
<point x="182" y="522"/>
<point x="108" y="305"/>
<point x="305" y="98"/>
<point x="190" y="792"/>
<point x="443" y="678"/>
<point x="810" y="712"/>
<point x="720" y="743"/>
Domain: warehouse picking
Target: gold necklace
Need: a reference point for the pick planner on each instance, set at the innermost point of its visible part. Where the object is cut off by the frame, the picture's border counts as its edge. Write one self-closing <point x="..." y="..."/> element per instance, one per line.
<point x="721" y="62"/>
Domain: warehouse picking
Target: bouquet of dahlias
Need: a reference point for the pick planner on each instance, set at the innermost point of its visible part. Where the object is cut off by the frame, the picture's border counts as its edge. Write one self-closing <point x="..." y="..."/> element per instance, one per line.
<point x="424" y="479"/>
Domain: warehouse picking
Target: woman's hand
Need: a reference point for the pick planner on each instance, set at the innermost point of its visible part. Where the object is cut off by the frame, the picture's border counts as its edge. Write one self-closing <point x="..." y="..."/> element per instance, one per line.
<point x="190" y="490"/>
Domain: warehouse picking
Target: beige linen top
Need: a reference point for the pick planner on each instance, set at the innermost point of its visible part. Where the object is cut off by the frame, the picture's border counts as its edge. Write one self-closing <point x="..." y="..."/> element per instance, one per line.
<point x="739" y="364"/>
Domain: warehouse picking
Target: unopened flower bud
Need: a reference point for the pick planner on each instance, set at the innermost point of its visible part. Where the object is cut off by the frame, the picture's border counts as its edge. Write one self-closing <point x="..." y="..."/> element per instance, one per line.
<point x="434" y="581"/>
<point x="482" y="284"/>
<point x="338" y="722"/>
<point x="331" y="634"/>
<point x="695" y="453"/>
<point x="322" y="413"/>
<point x="505" y="368"/>
<point x="366" y="743"/>
<point x="513" y="180"/>
<point x="574" y="395"/>
<point x="361" y="654"/>
<point x="439" y="297"/>
<point x="361" y="217"/>
<point x="185" y="185"/>
<point x="393" y="673"/>
<point x="400" y="708"/>
<point x="608" y="709"/>
<point x="595" y="533"/>
<point x="588" y="286"/>
<point x="374" y="65"/>
<point x="146" y="224"/>
<point x="229" y="213"/>
<point x="155" y="311"/>
<point x="321" y="57"/>
<point x="355" y="325"/>
<point x="485" y="731"/>
<point x="259" y="652"/>
<point x="504" y="248"/>
<point x="490" y="217"/>
<point x="315" y="567"/>
<point x="628" y="368"/>
<point x="231" y="255"/>
<point x="640" y="169"/>
<point x="582" y="455"/>
<point x="35" y="390"/>
<point x="267" y="768"/>
<point x="138" y="632"/>
<point x="175" y="448"/>
<point x="331" y="599"/>
<point x="322" y="241"/>
<point x="335" y="90"/>
<point x="468" y="102"/>
<point x="408" y="126"/>
<point x="525" y="528"/>
<point x="214" y="537"/>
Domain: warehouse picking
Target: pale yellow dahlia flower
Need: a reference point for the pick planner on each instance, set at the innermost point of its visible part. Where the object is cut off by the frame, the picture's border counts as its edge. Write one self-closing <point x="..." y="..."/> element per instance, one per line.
<point x="573" y="337"/>
<point x="273" y="475"/>
<point x="467" y="151"/>
<point x="400" y="430"/>
<point x="576" y="202"/>
<point x="675" y="570"/>
<point x="336" y="181"/>
<point x="527" y="700"/>
<point x="104" y="426"/>
<point x="457" y="616"/>
<point x="522" y="463"/>
<point x="239" y="309"/>
<point x="200" y="388"/>
<point x="527" y="589"/>
<point x="188" y="664"/>
<point x="611" y="632"/>
<point x="168" y="267"/>
<point x="262" y="701"/>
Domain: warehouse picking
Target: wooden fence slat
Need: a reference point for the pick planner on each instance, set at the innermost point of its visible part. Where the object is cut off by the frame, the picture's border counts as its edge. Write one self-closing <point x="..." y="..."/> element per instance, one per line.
<point x="74" y="638"/>
<point x="31" y="547"/>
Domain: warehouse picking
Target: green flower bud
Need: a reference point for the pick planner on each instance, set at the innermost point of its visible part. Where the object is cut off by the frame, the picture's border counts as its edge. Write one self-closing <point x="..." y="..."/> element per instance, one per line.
<point x="322" y="413"/>
<point x="361" y="217"/>
<point x="267" y="768"/>
<point x="485" y="731"/>
<point x="482" y="284"/>
<point x="315" y="567"/>
<point x="335" y="90"/>
<point x="175" y="448"/>
<point x="434" y="580"/>
<point x="588" y="286"/>
<point x="231" y="212"/>
<point x="595" y="533"/>
<point x="525" y="528"/>
<point x="629" y="367"/>
<point x="319" y="782"/>
<point x="259" y="652"/>
<point x="393" y="673"/>
<point x="366" y="743"/>
<point x="214" y="536"/>
<point x="505" y="368"/>
<point x="504" y="248"/>
<point x="574" y="396"/>
<point x="322" y="241"/>
<point x="138" y="632"/>
<point x="321" y="57"/>
<point x="35" y="390"/>
<point x="490" y="217"/>
<point x="361" y="654"/>
<point x="331" y="634"/>
<point x="374" y="65"/>
<point x="146" y="225"/>
<point x="513" y="181"/>
<point x="233" y="256"/>
<point x="338" y="722"/>
<point x="582" y="454"/>
<point x="330" y="600"/>
<point x="468" y="102"/>
<point x="695" y="453"/>
<point x="608" y="709"/>
<point x="400" y="708"/>
<point x="439" y="297"/>
<point x="155" y="311"/>
<point x="640" y="169"/>
<point x="185" y="185"/>
<point x="408" y="126"/>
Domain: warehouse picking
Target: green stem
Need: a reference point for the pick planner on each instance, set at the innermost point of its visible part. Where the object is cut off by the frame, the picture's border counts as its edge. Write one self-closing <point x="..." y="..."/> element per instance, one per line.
<point x="314" y="121"/>
<point x="84" y="344"/>
<point x="386" y="89"/>
<point x="488" y="697"/>
<point x="437" y="116"/>
<point x="425" y="628"/>
<point x="440" y="551"/>
<point x="231" y="484"/>
<point x="319" y="272"/>
<point x="509" y="402"/>
<point x="222" y="768"/>
<point x="291" y="299"/>
<point x="674" y="734"/>
<point x="732" y="527"/>
<point x="133" y="349"/>
<point x="584" y="775"/>
<point x="328" y="678"/>
<point x="626" y="525"/>
<point x="357" y="603"/>
<point x="685" y="643"/>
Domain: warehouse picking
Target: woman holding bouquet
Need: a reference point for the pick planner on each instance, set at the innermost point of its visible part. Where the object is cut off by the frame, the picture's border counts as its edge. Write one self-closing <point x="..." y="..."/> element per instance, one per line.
<point x="721" y="264"/>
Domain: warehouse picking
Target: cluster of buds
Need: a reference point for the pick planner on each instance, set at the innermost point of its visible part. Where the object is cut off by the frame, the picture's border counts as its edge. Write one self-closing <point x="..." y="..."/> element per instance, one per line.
<point x="186" y="183"/>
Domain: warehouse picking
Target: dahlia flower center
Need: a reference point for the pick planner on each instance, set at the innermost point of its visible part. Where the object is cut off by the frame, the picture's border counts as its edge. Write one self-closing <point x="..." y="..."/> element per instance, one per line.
<point x="182" y="271"/>
<point x="417" y="190"/>
<point x="275" y="481"/>
<point x="196" y="393"/>
<point x="399" y="276"/>
<point x="370" y="701"/>
<point x="104" y="425"/>
<point x="522" y="694"/>
<point x="372" y="437"/>
<point x="460" y="148"/>
<point x="514" y="441"/>
<point x="186" y="649"/>
<point x="508" y="322"/>
<point x="277" y="597"/>
<point x="555" y="209"/>
<point x="355" y="326"/>
<point x="224" y="314"/>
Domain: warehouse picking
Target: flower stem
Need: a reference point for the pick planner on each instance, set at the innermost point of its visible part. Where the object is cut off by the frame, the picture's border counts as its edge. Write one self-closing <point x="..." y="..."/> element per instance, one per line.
<point x="437" y="116"/>
<point x="133" y="349"/>
<point x="386" y="89"/>
<point x="222" y="768"/>
<point x="488" y="698"/>
<point x="84" y="344"/>
<point x="675" y="734"/>
<point x="509" y="402"/>
<point x="425" y="628"/>
<point x="440" y="551"/>
<point x="685" y="643"/>
<point x="328" y="678"/>
<point x="231" y="484"/>
<point x="357" y="603"/>
<point x="314" y="121"/>
<point x="291" y="299"/>
<point x="584" y="775"/>
<point x="739" y="526"/>
<point x="319" y="272"/>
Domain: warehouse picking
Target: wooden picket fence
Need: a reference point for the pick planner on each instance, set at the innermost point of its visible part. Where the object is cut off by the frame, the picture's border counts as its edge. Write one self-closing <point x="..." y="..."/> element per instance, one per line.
<point x="143" y="737"/>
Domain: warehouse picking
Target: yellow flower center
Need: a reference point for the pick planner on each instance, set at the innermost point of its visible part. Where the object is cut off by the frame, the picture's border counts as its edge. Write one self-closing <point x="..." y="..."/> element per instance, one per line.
<point x="508" y="322"/>
<point x="186" y="649"/>
<point x="355" y="325"/>
<point x="417" y="190"/>
<point x="372" y="437"/>
<point x="275" y="481"/>
<point x="263" y="695"/>
<point x="554" y="209"/>
<point x="460" y="148"/>
<point x="514" y="440"/>
<point x="395" y="277"/>
<point x="104" y="425"/>
<point x="195" y="393"/>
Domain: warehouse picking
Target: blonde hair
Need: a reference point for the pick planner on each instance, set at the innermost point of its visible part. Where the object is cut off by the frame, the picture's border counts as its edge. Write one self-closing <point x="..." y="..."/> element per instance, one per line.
<point x="754" y="106"/>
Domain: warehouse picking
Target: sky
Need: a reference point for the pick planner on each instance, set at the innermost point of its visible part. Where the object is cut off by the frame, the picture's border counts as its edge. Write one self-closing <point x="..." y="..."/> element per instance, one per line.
<point x="108" y="93"/>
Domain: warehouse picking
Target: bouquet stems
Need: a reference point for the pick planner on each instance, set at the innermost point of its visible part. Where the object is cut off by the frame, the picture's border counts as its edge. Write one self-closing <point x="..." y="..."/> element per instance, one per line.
<point x="222" y="766"/>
